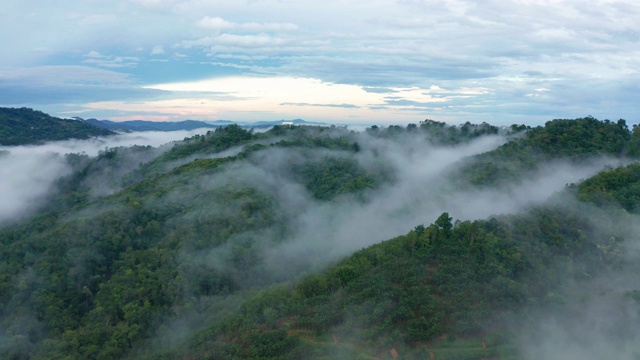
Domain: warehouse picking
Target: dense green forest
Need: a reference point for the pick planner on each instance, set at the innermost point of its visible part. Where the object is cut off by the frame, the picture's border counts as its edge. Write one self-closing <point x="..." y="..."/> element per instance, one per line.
<point x="578" y="140"/>
<point x="22" y="126"/>
<point x="320" y="242"/>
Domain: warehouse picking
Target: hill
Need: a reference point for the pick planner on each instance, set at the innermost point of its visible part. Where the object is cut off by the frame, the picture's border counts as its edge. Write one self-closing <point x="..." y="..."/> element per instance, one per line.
<point x="575" y="140"/>
<point x="26" y="126"/>
<point x="309" y="242"/>
<point x="464" y="290"/>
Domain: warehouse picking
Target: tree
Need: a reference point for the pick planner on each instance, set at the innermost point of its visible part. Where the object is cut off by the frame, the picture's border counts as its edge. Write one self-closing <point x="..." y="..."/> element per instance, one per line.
<point x="444" y="223"/>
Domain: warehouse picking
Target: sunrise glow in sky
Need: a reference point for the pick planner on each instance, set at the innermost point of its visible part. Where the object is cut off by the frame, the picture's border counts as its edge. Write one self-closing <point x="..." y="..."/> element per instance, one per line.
<point x="336" y="61"/>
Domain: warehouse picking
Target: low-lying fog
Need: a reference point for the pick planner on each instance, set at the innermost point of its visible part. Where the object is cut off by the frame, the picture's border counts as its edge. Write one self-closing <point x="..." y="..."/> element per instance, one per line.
<point x="27" y="173"/>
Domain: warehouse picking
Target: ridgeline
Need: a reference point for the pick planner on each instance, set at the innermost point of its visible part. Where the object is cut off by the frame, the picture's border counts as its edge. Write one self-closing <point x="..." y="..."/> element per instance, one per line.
<point x="23" y="126"/>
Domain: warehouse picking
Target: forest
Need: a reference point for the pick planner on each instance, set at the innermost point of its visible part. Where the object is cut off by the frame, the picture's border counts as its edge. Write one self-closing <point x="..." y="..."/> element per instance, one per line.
<point x="425" y="241"/>
<point x="20" y="126"/>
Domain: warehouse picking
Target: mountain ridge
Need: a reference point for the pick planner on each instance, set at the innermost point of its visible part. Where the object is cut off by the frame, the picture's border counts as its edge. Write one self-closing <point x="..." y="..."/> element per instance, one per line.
<point x="25" y="126"/>
<point x="145" y="125"/>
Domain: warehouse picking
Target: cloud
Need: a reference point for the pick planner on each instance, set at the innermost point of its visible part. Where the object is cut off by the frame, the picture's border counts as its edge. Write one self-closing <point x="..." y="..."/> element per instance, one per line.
<point x="157" y="50"/>
<point x="290" y="97"/>
<point x="507" y="48"/>
<point x="95" y="58"/>
<point x="248" y="40"/>
<point x="54" y="87"/>
<point x="232" y="98"/>
<point x="346" y="106"/>
<point x="220" y="24"/>
<point x="241" y="57"/>
<point x="61" y="74"/>
<point x="237" y="41"/>
<point x="93" y="54"/>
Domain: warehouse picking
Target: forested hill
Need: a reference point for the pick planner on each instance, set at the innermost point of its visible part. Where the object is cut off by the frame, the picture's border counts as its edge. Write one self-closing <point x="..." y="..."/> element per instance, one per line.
<point x="21" y="126"/>
<point x="577" y="141"/>
<point x="323" y="243"/>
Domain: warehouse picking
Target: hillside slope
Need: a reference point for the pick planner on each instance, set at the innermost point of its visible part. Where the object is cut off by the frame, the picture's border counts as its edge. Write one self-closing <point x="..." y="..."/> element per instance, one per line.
<point x="26" y="126"/>
<point x="235" y="244"/>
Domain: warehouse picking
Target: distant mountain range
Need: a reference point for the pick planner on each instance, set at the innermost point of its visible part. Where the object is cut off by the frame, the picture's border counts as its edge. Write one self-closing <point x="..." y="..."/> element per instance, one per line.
<point x="21" y="126"/>
<point x="144" y="125"/>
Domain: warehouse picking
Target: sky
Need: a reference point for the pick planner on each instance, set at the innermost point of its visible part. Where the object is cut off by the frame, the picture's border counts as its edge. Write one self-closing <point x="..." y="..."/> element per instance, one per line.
<point x="335" y="61"/>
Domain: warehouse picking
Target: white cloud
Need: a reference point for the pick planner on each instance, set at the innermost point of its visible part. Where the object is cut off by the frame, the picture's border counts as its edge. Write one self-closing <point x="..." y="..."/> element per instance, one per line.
<point x="287" y="97"/>
<point x="237" y="41"/>
<point x="112" y="61"/>
<point x="389" y="44"/>
<point x="60" y="75"/>
<point x="93" y="54"/>
<point x="555" y="34"/>
<point x="248" y="40"/>
<point x="157" y="50"/>
<point x="220" y="24"/>
<point x="290" y="89"/>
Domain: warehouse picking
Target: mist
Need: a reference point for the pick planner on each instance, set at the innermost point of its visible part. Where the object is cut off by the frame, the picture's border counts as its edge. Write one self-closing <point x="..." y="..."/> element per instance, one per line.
<point x="27" y="180"/>
<point x="322" y="232"/>
<point x="416" y="182"/>
<point x="597" y="316"/>
<point x="28" y="173"/>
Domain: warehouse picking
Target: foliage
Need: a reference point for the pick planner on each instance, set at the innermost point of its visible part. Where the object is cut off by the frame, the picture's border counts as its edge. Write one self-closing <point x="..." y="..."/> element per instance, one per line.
<point x="442" y="134"/>
<point x="456" y="281"/>
<point x="26" y="126"/>
<point x="616" y="187"/>
<point x="213" y="141"/>
<point x="108" y="273"/>
<point x="581" y="137"/>
<point x="439" y="133"/>
<point x="332" y="176"/>
<point x="572" y="140"/>
<point x="178" y="241"/>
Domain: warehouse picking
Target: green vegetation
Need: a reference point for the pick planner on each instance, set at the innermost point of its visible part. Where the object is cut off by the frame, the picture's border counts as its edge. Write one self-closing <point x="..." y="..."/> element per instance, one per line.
<point x="332" y="176"/>
<point x="195" y="252"/>
<point x="26" y="126"/>
<point x="441" y="133"/>
<point x="447" y="289"/>
<point x="616" y="187"/>
<point x="574" y="140"/>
